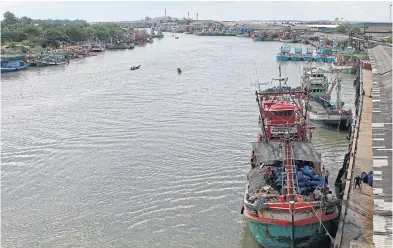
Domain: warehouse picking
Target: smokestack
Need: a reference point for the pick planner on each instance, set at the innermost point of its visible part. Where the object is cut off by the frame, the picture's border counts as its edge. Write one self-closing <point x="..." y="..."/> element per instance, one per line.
<point x="197" y="16"/>
<point x="188" y="15"/>
<point x="165" y="14"/>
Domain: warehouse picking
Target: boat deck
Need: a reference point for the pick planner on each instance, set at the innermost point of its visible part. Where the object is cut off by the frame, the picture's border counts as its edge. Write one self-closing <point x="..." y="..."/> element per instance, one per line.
<point x="317" y="108"/>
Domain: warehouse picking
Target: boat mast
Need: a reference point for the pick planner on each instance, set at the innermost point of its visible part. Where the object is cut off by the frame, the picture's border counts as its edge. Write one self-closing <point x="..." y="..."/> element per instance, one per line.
<point x="338" y="89"/>
<point x="279" y="79"/>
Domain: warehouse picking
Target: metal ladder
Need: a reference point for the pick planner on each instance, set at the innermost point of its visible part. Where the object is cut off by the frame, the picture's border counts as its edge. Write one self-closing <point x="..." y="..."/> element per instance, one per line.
<point x="291" y="179"/>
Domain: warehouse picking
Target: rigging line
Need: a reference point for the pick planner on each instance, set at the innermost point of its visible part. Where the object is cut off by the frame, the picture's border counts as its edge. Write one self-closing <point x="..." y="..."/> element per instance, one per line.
<point x="320" y="221"/>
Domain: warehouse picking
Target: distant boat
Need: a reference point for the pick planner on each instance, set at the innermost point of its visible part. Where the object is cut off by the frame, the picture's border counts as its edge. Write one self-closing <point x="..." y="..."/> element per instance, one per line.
<point x="97" y="47"/>
<point x="49" y="61"/>
<point x="159" y="34"/>
<point x="243" y="35"/>
<point x="13" y="63"/>
<point x="135" y="67"/>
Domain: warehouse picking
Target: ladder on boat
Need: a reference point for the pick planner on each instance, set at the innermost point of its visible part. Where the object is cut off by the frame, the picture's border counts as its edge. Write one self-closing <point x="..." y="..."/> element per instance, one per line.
<point x="290" y="186"/>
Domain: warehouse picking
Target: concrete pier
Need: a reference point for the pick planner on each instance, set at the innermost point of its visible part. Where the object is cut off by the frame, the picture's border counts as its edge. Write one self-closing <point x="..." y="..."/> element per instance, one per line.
<point x="366" y="214"/>
<point x="381" y="62"/>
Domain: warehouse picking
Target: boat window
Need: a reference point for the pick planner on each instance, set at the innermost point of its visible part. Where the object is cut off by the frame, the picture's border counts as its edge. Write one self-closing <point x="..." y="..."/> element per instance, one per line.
<point x="284" y="113"/>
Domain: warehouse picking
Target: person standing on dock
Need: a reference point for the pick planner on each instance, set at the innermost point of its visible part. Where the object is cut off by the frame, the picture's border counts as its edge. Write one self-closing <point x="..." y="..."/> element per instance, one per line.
<point x="357" y="182"/>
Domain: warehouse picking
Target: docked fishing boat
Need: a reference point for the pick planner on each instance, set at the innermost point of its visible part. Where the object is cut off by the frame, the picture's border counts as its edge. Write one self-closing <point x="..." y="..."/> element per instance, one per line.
<point x="322" y="110"/>
<point x="49" y="60"/>
<point x="159" y="34"/>
<point x="285" y="169"/>
<point x="98" y="47"/>
<point x="11" y="63"/>
<point x="345" y="64"/>
<point x="284" y="54"/>
<point x="296" y="54"/>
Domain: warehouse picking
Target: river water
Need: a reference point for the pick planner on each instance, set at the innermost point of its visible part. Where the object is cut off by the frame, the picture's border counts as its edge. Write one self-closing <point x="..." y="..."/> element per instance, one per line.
<point x="96" y="155"/>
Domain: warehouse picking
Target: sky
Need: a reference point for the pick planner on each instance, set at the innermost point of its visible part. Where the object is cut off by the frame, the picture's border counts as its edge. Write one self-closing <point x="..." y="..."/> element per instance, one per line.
<point x="94" y="11"/>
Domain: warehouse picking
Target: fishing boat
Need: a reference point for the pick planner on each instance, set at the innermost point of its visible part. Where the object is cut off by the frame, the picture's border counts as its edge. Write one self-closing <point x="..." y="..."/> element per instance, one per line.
<point x="49" y="59"/>
<point x="322" y="110"/>
<point x="279" y="209"/>
<point x="308" y="56"/>
<point x="159" y="34"/>
<point x="11" y="63"/>
<point x="296" y="55"/>
<point x="345" y="64"/>
<point x="98" y="47"/>
<point x="135" y="67"/>
<point x="284" y="54"/>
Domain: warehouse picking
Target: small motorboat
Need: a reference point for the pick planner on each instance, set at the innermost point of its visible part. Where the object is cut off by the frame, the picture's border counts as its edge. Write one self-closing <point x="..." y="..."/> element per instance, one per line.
<point x="176" y="38"/>
<point x="179" y="70"/>
<point x="135" y="67"/>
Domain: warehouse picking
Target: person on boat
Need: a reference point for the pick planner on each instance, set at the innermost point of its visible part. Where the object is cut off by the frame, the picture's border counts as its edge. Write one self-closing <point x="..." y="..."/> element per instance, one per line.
<point x="329" y="197"/>
<point x="272" y="178"/>
<point x="327" y="176"/>
<point x="317" y="194"/>
<point x="323" y="172"/>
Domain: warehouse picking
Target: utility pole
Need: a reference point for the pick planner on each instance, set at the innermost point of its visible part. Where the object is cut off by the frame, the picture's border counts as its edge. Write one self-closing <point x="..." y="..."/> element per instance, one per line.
<point x="390" y="13"/>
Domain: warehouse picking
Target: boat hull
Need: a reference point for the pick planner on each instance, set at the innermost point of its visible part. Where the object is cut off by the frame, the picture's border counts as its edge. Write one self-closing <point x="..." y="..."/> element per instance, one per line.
<point x="159" y="36"/>
<point x="19" y="68"/>
<point x="258" y="38"/>
<point x="275" y="236"/>
<point x="296" y="58"/>
<point x="282" y="57"/>
<point x="334" y="122"/>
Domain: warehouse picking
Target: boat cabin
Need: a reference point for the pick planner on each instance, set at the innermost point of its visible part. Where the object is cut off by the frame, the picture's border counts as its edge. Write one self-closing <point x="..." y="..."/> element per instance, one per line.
<point x="280" y="116"/>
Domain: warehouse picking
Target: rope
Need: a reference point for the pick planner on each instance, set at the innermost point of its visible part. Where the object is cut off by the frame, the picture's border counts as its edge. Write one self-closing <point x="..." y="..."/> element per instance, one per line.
<point x="320" y="221"/>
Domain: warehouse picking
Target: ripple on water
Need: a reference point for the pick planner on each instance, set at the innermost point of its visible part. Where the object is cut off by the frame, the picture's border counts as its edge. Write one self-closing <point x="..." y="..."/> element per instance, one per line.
<point x="97" y="155"/>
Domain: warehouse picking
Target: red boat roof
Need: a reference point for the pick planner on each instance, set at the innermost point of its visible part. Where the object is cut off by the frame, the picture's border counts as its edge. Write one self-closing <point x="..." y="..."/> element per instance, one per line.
<point x="282" y="106"/>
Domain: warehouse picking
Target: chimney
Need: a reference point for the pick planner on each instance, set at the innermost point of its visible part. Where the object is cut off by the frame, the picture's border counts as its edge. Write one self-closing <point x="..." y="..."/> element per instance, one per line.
<point x="197" y="16"/>
<point x="188" y="15"/>
<point x="165" y="14"/>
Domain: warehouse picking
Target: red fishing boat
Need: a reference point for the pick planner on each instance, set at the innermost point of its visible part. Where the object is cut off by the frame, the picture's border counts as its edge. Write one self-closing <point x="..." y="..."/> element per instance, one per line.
<point x="287" y="202"/>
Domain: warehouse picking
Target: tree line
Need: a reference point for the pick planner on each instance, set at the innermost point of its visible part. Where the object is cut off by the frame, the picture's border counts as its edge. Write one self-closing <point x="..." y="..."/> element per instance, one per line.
<point x="52" y="33"/>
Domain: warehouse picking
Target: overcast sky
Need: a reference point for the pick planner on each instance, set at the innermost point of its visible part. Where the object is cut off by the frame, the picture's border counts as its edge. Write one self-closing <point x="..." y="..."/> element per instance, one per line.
<point x="127" y="11"/>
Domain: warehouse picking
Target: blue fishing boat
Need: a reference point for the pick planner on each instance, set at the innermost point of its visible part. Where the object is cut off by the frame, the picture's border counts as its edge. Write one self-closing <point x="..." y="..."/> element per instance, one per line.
<point x="258" y="38"/>
<point x="308" y="55"/>
<point x="284" y="55"/>
<point x="297" y="55"/>
<point x="285" y="169"/>
<point x="13" y="63"/>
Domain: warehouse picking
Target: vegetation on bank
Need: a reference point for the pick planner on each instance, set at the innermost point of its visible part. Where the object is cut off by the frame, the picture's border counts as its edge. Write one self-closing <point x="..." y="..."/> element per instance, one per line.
<point x="52" y="33"/>
<point x="347" y="28"/>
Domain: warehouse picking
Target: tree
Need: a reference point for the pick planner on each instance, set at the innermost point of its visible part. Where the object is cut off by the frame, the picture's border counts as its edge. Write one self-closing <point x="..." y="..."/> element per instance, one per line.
<point x="32" y="30"/>
<point x="53" y="38"/>
<point x="343" y="28"/>
<point x="9" y="19"/>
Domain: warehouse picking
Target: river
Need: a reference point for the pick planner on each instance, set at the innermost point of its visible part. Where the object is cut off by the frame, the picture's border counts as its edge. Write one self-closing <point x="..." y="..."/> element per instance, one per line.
<point x="96" y="155"/>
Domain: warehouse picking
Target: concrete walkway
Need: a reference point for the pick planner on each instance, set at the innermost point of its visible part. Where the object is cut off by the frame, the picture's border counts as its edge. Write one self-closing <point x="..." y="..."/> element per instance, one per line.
<point x="381" y="62"/>
<point x="358" y="224"/>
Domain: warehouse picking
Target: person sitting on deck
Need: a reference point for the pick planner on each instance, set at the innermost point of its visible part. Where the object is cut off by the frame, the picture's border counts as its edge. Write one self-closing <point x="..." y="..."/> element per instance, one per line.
<point x="272" y="179"/>
<point x="317" y="194"/>
<point x="330" y="197"/>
